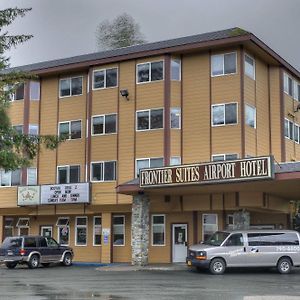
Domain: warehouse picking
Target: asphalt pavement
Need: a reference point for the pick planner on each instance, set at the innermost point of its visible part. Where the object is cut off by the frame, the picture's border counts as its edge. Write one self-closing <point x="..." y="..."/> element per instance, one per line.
<point x="116" y="282"/>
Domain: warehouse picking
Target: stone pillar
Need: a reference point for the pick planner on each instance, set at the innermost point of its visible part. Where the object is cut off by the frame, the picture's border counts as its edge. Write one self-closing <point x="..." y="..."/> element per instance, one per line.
<point x="241" y="220"/>
<point x="140" y="230"/>
<point x="106" y="238"/>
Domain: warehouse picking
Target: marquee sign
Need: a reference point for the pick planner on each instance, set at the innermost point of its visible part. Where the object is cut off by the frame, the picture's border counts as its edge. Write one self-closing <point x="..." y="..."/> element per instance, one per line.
<point x="212" y="172"/>
<point x="65" y="193"/>
<point x="28" y="195"/>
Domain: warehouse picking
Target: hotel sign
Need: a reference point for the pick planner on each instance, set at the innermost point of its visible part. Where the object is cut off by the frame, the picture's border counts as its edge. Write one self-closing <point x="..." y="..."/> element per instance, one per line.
<point x="28" y="195"/>
<point x="65" y="193"/>
<point x="208" y="173"/>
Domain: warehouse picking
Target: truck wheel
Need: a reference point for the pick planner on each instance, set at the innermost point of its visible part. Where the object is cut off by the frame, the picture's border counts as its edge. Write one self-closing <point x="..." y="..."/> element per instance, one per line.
<point x="217" y="266"/>
<point x="11" y="265"/>
<point x="34" y="262"/>
<point x="67" y="261"/>
<point x="284" y="265"/>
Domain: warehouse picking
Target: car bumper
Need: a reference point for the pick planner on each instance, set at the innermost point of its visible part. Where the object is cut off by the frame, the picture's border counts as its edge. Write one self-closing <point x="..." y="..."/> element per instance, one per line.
<point x="5" y="259"/>
<point x="192" y="262"/>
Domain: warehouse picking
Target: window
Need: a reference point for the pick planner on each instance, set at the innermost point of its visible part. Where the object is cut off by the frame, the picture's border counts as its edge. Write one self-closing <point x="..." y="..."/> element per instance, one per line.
<point x="23" y="226"/>
<point x="158" y="230"/>
<point x="235" y="240"/>
<point x="68" y="174"/>
<point x="30" y="242"/>
<point x="296" y="90"/>
<point x="250" y="119"/>
<point x="119" y="230"/>
<point x="223" y="64"/>
<point x="33" y="129"/>
<point x="296" y="133"/>
<point x="71" y="130"/>
<point x="152" y="71"/>
<point x="289" y="129"/>
<point x="105" y="78"/>
<point x="104" y="124"/>
<point x="81" y="231"/>
<point x="97" y="231"/>
<point x="103" y="171"/>
<point x="10" y="178"/>
<point x="222" y="157"/>
<point x="229" y="222"/>
<point x="8" y="227"/>
<point x="18" y="128"/>
<point x="224" y="114"/>
<point x="42" y="242"/>
<point x="70" y="87"/>
<point x="31" y="176"/>
<point x="209" y="225"/>
<point x="150" y="119"/>
<point x="273" y="239"/>
<point x="148" y="163"/>
<point x="35" y="90"/>
<point x="19" y="92"/>
<point x="175" y="161"/>
<point x="175" y="69"/>
<point x="176" y="117"/>
<point x="249" y="66"/>
<point x="63" y="234"/>
<point x="288" y="85"/>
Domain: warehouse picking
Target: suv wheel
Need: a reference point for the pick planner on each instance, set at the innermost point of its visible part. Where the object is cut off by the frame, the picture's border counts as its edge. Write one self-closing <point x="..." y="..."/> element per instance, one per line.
<point x="11" y="265"/>
<point x="284" y="265"/>
<point x="217" y="266"/>
<point x="34" y="261"/>
<point x="67" y="261"/>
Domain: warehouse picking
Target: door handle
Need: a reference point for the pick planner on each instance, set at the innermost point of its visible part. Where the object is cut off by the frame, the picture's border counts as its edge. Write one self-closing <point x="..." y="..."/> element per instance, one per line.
<point x="254" y="250"/>
<point x="244" y="249"/>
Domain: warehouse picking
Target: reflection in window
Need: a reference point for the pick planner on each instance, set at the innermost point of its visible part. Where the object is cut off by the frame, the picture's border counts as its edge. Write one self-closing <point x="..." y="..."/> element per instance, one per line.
<point x="224" y="114"/>
<point x="152" y="71"/>
<point x="223" y="64"/>
<point x="150" y="119"/>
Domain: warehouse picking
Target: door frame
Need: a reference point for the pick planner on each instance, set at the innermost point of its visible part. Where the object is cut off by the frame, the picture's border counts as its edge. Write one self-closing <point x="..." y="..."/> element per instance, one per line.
<point x="187" y="237"/>
<point x="46" y="226"/>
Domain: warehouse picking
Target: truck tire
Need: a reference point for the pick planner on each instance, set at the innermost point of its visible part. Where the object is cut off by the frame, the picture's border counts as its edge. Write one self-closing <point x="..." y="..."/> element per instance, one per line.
<point x="217" y="266"/>
<point x="34" y="262"/>
<point x="67" y="261"/>
<point x="284" y="265"/>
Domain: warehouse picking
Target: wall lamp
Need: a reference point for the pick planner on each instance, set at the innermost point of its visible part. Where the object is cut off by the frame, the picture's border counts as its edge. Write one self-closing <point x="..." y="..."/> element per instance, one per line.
<point x="297" y="108"/>
<point x="125" y="93"/>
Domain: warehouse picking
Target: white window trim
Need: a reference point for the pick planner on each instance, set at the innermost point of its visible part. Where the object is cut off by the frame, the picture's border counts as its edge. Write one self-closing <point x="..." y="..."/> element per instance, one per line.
<point x="103" y="88"/>
<point x="38" y="129"/>
<point x="217" y="223"/>
<point x="179" y="118"/>
<point x="175" y="156"/>
<point x="33" y="168"/>
<point x="254" y="66"/>
<point x="124" y="225"/>
<point x="99" y="162"/>
<point x="96" y="226"/>
<point x="227" y="74"/>
<point x="158" y="215"/>
<point x="224" y="104"/>
<point x="19" y="125"/>
<point x="224" y="156"/>
<point x="69" y="96"/>
<point x="150" y="62"/>
<point x="173" y="58"/>
<point x="104" y="118"/>
<point x="70" y="139"/>
<point x="146" y="158"/>
<point x="81" y="226"/>
<point x="68" y="172"/>
<point x="149" y="114"/>
<point x="68" y="226"/>
<point x="22" y="226"/>
<point x="255" y="117"/>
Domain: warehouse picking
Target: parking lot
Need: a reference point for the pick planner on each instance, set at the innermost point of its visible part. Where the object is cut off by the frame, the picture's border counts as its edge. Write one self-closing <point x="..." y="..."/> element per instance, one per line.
<point x="90" y="282"/>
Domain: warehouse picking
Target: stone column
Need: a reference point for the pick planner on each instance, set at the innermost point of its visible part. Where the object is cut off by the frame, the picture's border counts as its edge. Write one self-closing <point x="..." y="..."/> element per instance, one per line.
<point x="241" y="220"/>
<point x="140" y="230"/>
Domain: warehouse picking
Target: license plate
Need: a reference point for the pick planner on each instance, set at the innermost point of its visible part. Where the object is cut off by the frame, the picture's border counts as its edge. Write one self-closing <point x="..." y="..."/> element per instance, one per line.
<point x="189" y="263"/>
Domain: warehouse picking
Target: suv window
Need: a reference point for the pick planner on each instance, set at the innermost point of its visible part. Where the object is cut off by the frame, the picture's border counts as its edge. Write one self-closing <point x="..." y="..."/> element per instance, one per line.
<point x="235" y="240"/>
<point x="43" y="242"/>
<point x="30" y="242"/>
<point x="12" y="243"/>
<point x="273" y="239"/>
<point x="51" y="242"/>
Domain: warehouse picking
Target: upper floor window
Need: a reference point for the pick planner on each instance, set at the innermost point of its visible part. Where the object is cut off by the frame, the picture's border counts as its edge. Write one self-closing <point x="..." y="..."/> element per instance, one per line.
<point x="175" y="69"/>
<point x="288" y="85"/>
<point x="150" y="119"/>
<point x="250" y="115"/>
<point x="175" y="117"/>
<point x="223" y="64"/>
<point x="18" y="93"/>
<point x="296" y="90"/>
<point x="249" y="66"/>
<point x="224" y="114"/>
<point x="292" y="130"/>
<point x="175" y="160"/>
<point x="70" y="129"/>
<point x="10" y="178"/>
<point x="222" y="157"/>
<point x="103" y="171"/>
<point x="35" y="90"/>
<point x="151" y="71"/>
<point x="104" y="124"/>
<point x="105" y="78"/>
<point x="31" y="176"/>
<point x="144" y="163"/>
<point x="70" y="86"/>
<point x="68" y="174"/>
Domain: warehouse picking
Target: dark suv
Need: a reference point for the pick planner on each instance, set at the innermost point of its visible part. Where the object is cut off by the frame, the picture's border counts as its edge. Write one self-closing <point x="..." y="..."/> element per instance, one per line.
<point x="33" y="251"/>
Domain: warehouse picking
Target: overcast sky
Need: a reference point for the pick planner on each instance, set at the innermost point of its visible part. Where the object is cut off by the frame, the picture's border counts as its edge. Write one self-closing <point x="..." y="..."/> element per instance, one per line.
<point x="64" y="28"/>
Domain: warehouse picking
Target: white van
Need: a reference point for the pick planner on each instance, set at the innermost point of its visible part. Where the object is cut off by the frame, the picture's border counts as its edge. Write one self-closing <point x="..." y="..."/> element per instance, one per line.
<point x="248" y="248"/>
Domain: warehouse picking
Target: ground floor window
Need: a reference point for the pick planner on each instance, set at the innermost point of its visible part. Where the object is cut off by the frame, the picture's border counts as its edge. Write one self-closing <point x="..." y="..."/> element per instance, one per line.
<point x="63" y="231"/>
<point x="81" y="231"/>
<point x="119" y="230"/>
<point x="46" y="231"/>
<point x="97" y="231"/>
<point x="209" y="225"/>
<point x="229" y="222"/>
<point x="158" y="230"/>
<point x="23" y="226"/>
<point x="8" y="227"/>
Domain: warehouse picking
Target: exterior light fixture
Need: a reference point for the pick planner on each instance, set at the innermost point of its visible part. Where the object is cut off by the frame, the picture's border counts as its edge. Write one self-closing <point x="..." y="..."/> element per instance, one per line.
<point x="125" y="93"/>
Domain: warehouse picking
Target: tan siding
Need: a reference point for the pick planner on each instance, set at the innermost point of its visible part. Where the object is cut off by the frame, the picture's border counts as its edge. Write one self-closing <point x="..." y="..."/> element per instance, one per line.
<point x="149" y="143"/>
<point x="16" y="112"/>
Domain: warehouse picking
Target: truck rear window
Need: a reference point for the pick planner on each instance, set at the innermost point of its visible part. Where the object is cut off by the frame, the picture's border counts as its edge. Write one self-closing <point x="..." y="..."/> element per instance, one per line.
<point x="12" y="243"/>
<point x="273" y="239"/>
<point x="30" y="242"/>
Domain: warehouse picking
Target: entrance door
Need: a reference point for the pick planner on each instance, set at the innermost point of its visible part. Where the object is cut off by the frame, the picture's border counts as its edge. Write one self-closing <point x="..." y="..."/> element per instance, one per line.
<point x="46" y="231"/>
<point x="179" y="247"/>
